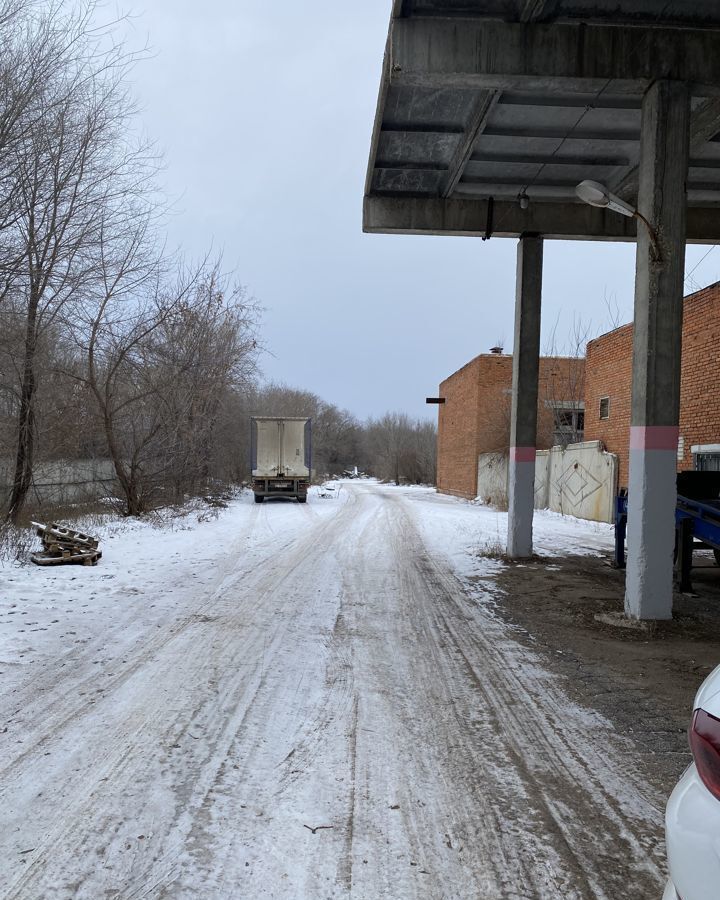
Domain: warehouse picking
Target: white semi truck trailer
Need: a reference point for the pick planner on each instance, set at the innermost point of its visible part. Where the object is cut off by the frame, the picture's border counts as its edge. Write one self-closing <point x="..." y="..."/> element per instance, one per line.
<point x="281" y="459"/>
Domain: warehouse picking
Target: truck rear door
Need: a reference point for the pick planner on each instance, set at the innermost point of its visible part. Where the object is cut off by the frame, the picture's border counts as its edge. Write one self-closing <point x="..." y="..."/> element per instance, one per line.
<point x="292" y="444"/>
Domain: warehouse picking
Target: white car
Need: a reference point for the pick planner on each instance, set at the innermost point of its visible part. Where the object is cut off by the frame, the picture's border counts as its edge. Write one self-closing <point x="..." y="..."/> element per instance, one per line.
<point x="692" y="818"/>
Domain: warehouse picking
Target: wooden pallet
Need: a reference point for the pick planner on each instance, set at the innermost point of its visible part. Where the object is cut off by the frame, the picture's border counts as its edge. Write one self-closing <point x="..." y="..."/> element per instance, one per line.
<point x="65" y="546"/>
<point x="67" y="557"/>
<point x="61" y="533"/>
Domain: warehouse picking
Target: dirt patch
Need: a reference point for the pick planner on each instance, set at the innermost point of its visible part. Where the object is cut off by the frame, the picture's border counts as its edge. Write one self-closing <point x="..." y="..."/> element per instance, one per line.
<point x="644" y="681"/>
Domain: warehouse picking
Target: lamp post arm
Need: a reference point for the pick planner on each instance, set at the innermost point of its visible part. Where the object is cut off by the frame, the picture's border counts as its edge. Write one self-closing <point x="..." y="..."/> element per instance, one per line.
<point x="651" y="233"/>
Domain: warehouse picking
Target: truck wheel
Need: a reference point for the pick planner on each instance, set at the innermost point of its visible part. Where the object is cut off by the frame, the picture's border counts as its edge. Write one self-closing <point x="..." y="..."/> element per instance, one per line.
<point x="302" y="499"/>
<point x="258" y="498"/>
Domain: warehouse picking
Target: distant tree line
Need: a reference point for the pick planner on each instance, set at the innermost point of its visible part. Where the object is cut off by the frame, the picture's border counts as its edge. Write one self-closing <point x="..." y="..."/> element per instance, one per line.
<point x="111" y="347"/>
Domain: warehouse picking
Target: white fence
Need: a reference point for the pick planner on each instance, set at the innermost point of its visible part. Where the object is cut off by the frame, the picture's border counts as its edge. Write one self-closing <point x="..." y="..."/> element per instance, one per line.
<point x="580" y="480"/>
<point x="492" y="479"/>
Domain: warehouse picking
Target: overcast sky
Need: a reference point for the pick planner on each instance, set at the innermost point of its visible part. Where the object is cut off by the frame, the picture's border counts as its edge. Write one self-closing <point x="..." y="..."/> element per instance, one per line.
<point x="264" y="111"/>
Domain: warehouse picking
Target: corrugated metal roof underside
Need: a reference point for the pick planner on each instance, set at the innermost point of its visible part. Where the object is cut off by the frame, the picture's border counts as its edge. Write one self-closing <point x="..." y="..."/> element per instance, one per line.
<point x="542" y="143"/>
<point x="444" y="138"/>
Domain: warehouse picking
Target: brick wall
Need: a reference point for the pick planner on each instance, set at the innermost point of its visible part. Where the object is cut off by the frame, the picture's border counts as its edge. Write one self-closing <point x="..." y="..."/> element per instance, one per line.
<point x="475" y="417"/>
<point x="699" y="398"/>
<point x="458" y="431"/>
<point x="609" y="374"/>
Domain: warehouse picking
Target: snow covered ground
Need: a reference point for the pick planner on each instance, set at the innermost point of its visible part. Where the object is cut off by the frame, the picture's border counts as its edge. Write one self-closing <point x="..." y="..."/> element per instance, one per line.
<point x="305" y="701"/>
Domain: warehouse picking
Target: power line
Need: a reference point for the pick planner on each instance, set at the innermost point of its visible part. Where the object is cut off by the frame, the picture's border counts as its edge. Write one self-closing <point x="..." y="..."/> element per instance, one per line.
<point x="586" y="110"/>
<point x="702" y="259"/>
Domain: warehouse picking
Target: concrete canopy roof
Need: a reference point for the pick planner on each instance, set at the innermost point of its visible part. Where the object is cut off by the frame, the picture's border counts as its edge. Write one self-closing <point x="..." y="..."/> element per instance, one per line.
<point x="482" y="100"/>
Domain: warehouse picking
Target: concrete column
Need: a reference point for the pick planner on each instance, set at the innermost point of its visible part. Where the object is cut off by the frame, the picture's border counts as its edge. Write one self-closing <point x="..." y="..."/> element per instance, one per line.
<point x="657" y="346"/>
<point x="523" y="422"/>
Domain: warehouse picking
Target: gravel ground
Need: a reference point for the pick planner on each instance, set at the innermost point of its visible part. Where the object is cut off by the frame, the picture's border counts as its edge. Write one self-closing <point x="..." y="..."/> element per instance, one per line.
<point x="643" y="681"/>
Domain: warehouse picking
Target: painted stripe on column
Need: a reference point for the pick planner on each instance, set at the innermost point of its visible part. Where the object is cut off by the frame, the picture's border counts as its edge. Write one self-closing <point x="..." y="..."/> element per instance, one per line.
<point x="654" y="437"/>
<point x="522" y="454"/>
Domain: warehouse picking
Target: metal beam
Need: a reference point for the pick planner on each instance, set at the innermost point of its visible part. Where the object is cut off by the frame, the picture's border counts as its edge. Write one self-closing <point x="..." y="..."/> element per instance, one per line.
<point x="528" y="130"/>
<point x="536" y="159"/>
<point x="570" y="101"/>
<point x="382" y="99"/>
<point x="704" y="124"/>
<point x="465" y="54"/>
<point x="424" y="128"/>
<point x="544" y="193"/>
<point x="409" y="164"/>
<point x="564" y="221"/>
<point x="483" y="107"/>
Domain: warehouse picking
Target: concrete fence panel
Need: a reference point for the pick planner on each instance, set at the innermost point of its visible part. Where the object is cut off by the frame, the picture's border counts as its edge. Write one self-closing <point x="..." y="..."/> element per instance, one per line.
<point x="580" y="480"/>
<point x="492" y="479"/>
<point x="64" y="481"/>
<point x="542" y="479"/>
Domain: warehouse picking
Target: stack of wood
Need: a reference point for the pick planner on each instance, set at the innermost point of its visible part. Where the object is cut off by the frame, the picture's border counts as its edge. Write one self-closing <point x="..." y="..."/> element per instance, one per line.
<point x="62" y="545"/>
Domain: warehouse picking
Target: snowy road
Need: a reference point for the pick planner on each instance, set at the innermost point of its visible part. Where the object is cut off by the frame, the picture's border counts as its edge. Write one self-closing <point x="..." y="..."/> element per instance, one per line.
<point x="303" y="702"/>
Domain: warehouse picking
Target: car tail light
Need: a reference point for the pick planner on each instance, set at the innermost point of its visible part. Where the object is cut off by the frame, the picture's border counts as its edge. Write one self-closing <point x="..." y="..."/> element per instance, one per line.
<point x="705" y="746"/>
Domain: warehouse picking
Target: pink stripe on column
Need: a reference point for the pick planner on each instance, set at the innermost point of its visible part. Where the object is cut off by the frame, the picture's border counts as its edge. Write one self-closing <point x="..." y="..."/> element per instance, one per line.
<point x="654" y="437"/>
<point x="522" y="454"/>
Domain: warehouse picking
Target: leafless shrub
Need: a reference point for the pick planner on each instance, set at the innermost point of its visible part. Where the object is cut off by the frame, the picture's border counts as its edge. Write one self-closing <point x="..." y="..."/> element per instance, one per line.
<point x="492" y="548"/>
<point x="500" y="501"/>
<point x="15" y="542"/>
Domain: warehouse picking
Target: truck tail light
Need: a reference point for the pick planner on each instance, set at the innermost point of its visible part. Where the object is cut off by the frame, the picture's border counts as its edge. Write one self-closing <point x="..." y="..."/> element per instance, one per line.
<point x="705" y="746"/>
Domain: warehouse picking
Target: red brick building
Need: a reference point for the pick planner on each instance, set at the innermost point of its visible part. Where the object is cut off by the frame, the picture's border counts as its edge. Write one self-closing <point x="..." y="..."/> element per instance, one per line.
<point x="475" y="417"/>
<point x="608" y="385"/>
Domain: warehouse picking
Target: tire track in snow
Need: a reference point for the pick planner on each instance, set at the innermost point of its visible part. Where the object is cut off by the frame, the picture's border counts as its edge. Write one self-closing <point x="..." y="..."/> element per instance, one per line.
<point x="355" y="686"/>
<point x="121" y="755"/>
<point x="43" y="716"/>
<point x="450" y="831"/>
<point x="38" y="699"/>
<point x="588" y="795"/>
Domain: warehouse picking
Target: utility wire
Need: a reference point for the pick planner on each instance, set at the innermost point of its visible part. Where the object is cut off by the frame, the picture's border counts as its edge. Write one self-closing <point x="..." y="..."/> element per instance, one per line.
<point x="702" y="259"/>
<point x="586" y="110"/>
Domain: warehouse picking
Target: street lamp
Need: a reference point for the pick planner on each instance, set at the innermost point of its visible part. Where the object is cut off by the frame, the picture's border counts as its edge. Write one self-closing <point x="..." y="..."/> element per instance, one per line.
<point x="597" y="194"/>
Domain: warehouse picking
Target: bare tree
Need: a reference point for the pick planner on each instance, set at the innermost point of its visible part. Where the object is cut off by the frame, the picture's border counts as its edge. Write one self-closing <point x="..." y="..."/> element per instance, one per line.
<point x="561" y="390"/>
<point x="107" y="346"/>
<point x="401" y="449"/>
<point x="161" y="360"/>
<point x="205" y="350"/>
<point x="73" y="172"/>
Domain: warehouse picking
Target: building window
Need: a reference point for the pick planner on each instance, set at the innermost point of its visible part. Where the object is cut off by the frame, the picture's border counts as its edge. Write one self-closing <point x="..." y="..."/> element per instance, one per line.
<point x="604" y="407"/>
<point x="707" y="462"/>
<point x="564" y="419"/>
<point x="706" y="457"/>
<point x="569" y="422"/>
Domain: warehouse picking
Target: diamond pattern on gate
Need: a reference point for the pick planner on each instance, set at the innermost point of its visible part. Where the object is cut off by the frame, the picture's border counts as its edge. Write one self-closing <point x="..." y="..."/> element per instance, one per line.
<point x="577" y="482"/>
